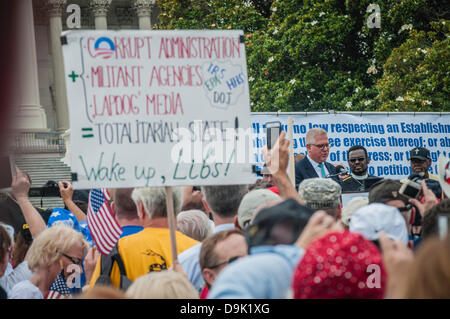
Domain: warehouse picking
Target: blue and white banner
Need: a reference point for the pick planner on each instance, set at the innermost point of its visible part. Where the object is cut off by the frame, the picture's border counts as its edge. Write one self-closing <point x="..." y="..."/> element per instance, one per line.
<point x="388" y="138"/>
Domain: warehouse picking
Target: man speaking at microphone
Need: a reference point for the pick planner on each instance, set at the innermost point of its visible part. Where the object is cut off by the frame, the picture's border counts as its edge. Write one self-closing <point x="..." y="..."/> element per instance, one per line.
<point x="359" y="180"/>
<point x="314" y="164"/>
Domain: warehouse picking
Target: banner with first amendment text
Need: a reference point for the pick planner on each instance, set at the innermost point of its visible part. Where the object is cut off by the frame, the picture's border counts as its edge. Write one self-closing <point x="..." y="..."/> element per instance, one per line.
<point x="157" y="108"/>
<point x="388" y="138"/>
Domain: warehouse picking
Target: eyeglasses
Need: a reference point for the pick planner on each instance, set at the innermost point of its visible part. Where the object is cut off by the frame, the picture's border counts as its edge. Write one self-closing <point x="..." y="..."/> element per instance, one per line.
<point x="229" y="261"/>
<point x="322" y="146"/>
<point x="359" y="159"/>
<point x="76" y="261"/>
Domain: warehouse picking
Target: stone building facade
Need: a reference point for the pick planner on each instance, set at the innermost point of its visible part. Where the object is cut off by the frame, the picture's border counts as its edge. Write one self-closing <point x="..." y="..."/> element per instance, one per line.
<point x="43" y="105"/>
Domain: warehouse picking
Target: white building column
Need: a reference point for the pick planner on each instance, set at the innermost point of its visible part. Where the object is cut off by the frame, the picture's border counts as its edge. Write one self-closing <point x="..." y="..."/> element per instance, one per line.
<point x="31" y="115"/>
<point x="100" y="9"/>
<point x="55" y="9"/>
<point x="144" y="10"/>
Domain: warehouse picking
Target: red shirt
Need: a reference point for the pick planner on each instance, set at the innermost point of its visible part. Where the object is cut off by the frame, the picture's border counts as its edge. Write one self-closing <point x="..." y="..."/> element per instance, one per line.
<point x="204" y="293"/>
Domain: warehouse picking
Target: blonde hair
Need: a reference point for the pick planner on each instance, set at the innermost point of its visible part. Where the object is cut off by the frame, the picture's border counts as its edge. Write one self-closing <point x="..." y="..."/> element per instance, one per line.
<point x="154" y="200"/>
<point x="165" y="284"/>
<point x="51" y="243"/>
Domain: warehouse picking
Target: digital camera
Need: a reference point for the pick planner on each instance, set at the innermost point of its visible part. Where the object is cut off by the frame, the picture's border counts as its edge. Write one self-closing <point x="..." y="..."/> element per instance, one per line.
<point x="412" y="186"/>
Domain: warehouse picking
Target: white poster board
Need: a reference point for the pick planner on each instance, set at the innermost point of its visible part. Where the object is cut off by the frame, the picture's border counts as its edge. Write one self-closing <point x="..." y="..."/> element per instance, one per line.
<point x="157" y="108"/>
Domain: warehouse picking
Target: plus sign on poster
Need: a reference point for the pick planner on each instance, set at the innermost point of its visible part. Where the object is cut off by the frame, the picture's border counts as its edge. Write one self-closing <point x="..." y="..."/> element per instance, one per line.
<point x="158" y="108"/>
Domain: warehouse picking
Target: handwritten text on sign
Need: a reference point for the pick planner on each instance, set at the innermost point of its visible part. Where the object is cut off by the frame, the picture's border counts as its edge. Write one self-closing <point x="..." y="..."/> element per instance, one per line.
<point x="135" y="95"/>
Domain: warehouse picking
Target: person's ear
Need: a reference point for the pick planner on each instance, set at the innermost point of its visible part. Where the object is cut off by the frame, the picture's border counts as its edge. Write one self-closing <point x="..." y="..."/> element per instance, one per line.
<point x="209" y="276"/>
<point x="339" y="212"/>
<point x="141" y="211"/>
<point x="113" y="208"/>
<point x="368" y="159"/>
<point x="236" y="223"/>
<point x="206" y="205"/>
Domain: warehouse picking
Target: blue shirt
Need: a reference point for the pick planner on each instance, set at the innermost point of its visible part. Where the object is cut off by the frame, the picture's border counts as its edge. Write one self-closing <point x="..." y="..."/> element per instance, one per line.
<point x="265" y="274"/>
<point x="130" y="230"/>
<point x="189" y="260"/>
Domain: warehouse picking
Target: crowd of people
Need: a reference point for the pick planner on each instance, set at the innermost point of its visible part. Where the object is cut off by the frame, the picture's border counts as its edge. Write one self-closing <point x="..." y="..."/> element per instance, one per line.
<point x="273" y="239"/>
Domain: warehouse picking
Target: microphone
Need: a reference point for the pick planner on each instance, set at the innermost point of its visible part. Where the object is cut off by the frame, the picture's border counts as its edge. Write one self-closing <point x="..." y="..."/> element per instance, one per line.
<point x="341" y="170"/>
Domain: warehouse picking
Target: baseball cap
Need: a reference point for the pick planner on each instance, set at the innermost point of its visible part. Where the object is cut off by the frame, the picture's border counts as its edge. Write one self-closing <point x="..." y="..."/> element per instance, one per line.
<point x="279" y="224"/>
<point x="420" y="153"/>
<point x="320" y="193"/>
<point x="444" y="174"/>
<point x="385" y="191"/>
<point x="251" y="201"/>
<point x="371" y="219"/>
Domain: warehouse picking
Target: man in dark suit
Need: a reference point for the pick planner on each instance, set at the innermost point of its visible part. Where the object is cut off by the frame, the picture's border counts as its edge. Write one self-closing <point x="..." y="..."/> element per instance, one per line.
<point x="314" y="164"/>
<point x="359" y="179"/>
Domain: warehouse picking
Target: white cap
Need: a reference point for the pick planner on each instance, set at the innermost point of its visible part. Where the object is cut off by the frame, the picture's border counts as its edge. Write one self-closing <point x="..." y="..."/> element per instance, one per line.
<point x="251" y="201"/>
<point x="444" y="174"/>
<point x="371" y="219"/>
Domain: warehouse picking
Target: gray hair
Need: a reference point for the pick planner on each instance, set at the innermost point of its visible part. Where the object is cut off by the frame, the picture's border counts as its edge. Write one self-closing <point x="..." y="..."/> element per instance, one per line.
<point x="310" y="137"/>
<point x="195" y="224"/>
<point x="224" y="200"/>
<point x="352" y="206"/>
<point x="154" y="200"/>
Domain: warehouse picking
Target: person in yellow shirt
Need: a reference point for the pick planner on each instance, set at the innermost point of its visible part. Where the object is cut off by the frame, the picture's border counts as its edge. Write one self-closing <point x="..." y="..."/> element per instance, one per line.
<point x="149" y="250"/>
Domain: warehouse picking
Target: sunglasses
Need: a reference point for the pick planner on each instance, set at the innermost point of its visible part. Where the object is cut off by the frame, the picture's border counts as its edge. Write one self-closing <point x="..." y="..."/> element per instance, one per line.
<point x="76" y="261"/>
<point x="321" y="146"/>
<point x="229" y="261"/>
<point x="360" y="159"/>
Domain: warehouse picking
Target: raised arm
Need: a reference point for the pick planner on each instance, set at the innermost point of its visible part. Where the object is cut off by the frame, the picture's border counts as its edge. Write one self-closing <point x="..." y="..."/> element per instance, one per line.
<point x="277" y="160"/>
<point x="19" y="191"/>
<point x="66" y="190"/>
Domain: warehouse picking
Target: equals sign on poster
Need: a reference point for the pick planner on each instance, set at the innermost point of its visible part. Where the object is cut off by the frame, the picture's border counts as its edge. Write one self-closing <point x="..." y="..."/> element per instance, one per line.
<point x="87" y="132"/>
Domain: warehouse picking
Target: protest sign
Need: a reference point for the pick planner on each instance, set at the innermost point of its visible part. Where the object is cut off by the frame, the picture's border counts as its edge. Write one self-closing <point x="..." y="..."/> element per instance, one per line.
<point x="388" y="137"/>
<point x="157" y="108"/>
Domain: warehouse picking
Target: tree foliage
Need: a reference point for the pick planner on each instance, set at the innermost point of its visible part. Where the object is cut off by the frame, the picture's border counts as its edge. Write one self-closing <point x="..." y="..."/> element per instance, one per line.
<point x="321" y="54"/>
<point x="416" y="75"/>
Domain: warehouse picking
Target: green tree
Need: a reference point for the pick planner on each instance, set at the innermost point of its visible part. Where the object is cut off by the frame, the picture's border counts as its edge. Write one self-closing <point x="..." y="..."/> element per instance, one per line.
<point x="204" y="14"/>
<point x="416" y="75"/>
<point x="318" y="54"/>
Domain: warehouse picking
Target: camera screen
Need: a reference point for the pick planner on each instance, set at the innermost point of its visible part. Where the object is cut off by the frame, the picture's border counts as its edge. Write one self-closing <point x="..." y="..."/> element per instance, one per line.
<point x="411" y="191"/>
<point x="272" y="136"/>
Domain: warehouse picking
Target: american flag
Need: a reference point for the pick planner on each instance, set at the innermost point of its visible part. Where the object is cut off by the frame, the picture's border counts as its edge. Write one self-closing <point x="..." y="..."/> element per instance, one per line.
<point x="53" y="294"/>
<point x="103" y="226"/>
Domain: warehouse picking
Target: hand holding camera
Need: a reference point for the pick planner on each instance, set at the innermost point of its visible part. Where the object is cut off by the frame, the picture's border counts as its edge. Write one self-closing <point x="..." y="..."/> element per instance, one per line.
<point x="429" y="199"/>
<point x="66" y="190"/>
